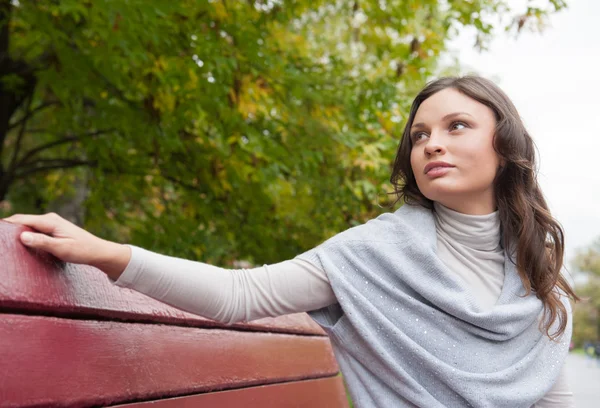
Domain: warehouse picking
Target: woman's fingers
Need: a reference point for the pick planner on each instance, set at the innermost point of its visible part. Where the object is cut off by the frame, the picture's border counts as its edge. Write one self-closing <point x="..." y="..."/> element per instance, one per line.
<point x="61" y="238"/>
<point x="51" y="236"/>
<point x="46" y="223"/>
<point x="40" y="241"/>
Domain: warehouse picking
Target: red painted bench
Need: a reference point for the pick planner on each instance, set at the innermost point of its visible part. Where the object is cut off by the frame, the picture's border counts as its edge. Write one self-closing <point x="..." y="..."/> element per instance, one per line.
<point x="68" y="337"/>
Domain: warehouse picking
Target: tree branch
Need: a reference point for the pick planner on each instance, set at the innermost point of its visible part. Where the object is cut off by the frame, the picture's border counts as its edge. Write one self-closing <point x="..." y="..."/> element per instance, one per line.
<point x="5" y="97"/>
<point x="19" y="140"/>
<point x="31" y="113"/>
<point x="53" y="164"/>
<point x="59" y="142"/>
<point x="180" y="183"/>
<point x="5" y="11"/>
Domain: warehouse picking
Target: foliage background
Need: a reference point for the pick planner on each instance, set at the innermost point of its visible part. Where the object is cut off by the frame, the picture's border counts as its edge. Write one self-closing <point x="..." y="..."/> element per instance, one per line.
<point x="219" y="130"/>
<point x="586" y="314"/>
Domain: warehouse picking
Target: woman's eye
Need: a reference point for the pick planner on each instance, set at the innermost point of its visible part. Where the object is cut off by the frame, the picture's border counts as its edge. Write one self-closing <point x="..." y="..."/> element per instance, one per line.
<point x="418" y="136"/>
<point x="458" y="126"/>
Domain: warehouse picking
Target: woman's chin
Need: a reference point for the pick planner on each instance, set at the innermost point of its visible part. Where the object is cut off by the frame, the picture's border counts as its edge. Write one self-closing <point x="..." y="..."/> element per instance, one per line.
<point x="441" y="191"/>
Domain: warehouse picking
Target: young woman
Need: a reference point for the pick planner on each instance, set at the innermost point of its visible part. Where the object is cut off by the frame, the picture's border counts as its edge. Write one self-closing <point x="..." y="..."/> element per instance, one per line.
<point x="455" y="299"/>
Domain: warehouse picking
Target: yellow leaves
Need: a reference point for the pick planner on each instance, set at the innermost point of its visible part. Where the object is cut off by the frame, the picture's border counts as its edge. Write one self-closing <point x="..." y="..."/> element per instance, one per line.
<point x="282" y="193"/>
<point x="362" y="163"/>
<point x="226" y="185"/>
<point x="370" y="158"/>
<point x="389" y="121"/>
<point x="192" y="83"/>
<point x="247" y="107"/>
<point x="53" y="178"/>
<point x="161" y="64"/>
<point x="159" y="197"/>
<point x="233" y="96"/>
<point x="164" y="101"/>
<point x="141" y="87"/>
<point x="220" y="11"/>
<point x="60" y="183"/>
<point x="329" y="115"/>
<point x="253" y="95"/>
<point x="288" y="39"/>
<point x="233" y="139"/>
<point x="331" y="111"/>
<point x="157" y="206"/>
<point x="170" y="84"/>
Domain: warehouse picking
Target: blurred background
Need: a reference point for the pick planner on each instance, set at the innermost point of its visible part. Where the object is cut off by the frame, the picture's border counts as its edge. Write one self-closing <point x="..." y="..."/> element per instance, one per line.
<point x="246" y="132"/>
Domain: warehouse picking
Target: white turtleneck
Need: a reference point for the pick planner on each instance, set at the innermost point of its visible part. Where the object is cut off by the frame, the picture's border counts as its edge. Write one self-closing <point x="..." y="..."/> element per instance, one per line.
<point x="469" y="245"/>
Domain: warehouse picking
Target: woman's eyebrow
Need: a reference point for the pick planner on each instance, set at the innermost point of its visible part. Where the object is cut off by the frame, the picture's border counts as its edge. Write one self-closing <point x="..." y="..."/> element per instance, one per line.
<point x="449" y="116"/>
<point x="455" y="114"/>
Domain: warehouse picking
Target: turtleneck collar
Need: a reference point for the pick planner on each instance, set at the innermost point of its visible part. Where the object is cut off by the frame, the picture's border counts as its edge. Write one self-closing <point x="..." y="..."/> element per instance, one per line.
<point x="480" y="232"/>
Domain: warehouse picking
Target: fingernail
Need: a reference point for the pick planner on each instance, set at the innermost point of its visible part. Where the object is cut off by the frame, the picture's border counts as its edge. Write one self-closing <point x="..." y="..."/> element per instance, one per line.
<point x="27" y="238"/>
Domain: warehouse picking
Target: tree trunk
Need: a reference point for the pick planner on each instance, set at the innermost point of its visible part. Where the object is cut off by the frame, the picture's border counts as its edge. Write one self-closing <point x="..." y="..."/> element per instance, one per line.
<point x="11" y="99"/>
<point x="6" y="98"/>
<point x="3" y="185"/>
<point x="71" y="207"/>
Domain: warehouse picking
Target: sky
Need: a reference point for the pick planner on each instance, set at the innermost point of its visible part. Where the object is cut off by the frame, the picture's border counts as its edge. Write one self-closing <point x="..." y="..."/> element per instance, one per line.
<point x="553" y="78"/>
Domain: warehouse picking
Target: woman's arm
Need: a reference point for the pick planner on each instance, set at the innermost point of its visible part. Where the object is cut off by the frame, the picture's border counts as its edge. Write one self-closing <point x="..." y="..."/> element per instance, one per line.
<point x="221" y="294"/>
<point x="560" y="395"/>
<point x="228" y="295"/>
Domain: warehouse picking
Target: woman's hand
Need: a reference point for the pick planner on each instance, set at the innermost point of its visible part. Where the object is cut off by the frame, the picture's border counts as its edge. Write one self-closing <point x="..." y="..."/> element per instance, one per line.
<point x="70" y="243"/>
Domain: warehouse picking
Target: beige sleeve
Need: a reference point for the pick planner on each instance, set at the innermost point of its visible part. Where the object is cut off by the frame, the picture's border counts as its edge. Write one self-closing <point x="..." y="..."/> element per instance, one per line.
<point x="228" y="295"/>
<point x="560" y="395"/>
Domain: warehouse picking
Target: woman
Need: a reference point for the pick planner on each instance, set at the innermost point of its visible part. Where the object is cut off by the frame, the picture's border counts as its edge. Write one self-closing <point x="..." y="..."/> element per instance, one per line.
<point x="456" y="299"/>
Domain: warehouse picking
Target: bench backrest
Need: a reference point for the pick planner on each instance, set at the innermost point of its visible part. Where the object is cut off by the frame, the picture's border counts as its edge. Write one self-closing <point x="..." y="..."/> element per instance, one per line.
<point x="68" y="337"/>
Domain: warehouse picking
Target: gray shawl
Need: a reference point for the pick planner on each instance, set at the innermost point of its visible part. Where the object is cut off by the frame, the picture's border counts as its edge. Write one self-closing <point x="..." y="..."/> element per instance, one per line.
<point x="407" y="332"/>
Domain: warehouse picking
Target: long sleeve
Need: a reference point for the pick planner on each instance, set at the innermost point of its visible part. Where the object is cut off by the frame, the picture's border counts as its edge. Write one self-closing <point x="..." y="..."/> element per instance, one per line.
<point x="228" y="295"/>
<point x="560" y="395"/>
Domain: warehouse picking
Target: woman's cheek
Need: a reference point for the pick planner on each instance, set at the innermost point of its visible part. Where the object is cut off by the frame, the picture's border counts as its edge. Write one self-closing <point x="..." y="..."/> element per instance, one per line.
<point x="484" y="172"/>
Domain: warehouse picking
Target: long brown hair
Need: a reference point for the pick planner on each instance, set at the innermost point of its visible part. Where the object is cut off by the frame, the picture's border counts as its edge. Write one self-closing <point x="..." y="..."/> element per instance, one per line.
<point x="525" y="219"/>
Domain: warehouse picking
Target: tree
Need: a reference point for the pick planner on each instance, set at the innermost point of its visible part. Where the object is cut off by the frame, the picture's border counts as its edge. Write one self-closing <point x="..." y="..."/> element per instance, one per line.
<point x="586" y="314"/>
<point x="218" y="130"/>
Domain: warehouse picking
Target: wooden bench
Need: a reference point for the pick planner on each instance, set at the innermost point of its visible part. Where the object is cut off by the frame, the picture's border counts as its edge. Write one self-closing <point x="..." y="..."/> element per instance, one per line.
<point x="70" y="338"/>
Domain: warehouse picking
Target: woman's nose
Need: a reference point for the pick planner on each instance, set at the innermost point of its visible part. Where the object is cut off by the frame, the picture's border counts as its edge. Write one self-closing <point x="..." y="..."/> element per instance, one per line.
<point x="434" y="146"/>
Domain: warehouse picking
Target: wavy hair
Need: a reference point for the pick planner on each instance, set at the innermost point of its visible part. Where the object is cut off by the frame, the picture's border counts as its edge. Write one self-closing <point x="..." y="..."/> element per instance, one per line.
<point x="526" y="222"/>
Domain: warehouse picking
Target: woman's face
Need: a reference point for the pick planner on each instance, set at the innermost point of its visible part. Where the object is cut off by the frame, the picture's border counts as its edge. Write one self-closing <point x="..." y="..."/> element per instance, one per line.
<point x="452" y="154"/>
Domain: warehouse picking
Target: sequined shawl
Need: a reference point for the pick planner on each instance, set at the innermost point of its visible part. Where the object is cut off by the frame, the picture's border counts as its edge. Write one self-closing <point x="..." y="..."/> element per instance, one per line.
<point x="407" y="332"/>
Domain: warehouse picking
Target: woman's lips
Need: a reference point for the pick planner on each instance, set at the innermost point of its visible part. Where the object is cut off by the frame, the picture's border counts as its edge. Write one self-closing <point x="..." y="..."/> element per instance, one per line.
<point x="436" y="172"/>
<point x="437" y="169"/>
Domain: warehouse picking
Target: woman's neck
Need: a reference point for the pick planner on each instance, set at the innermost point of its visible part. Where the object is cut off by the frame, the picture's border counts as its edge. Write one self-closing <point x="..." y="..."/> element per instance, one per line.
<point x="481" y="232"/>
<point x="471" y="205"/>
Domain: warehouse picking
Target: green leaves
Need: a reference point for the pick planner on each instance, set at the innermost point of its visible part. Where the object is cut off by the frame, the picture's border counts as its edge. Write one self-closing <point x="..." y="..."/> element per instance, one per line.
<point x="586" y="314"/>
<point x="217" y="130"/>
